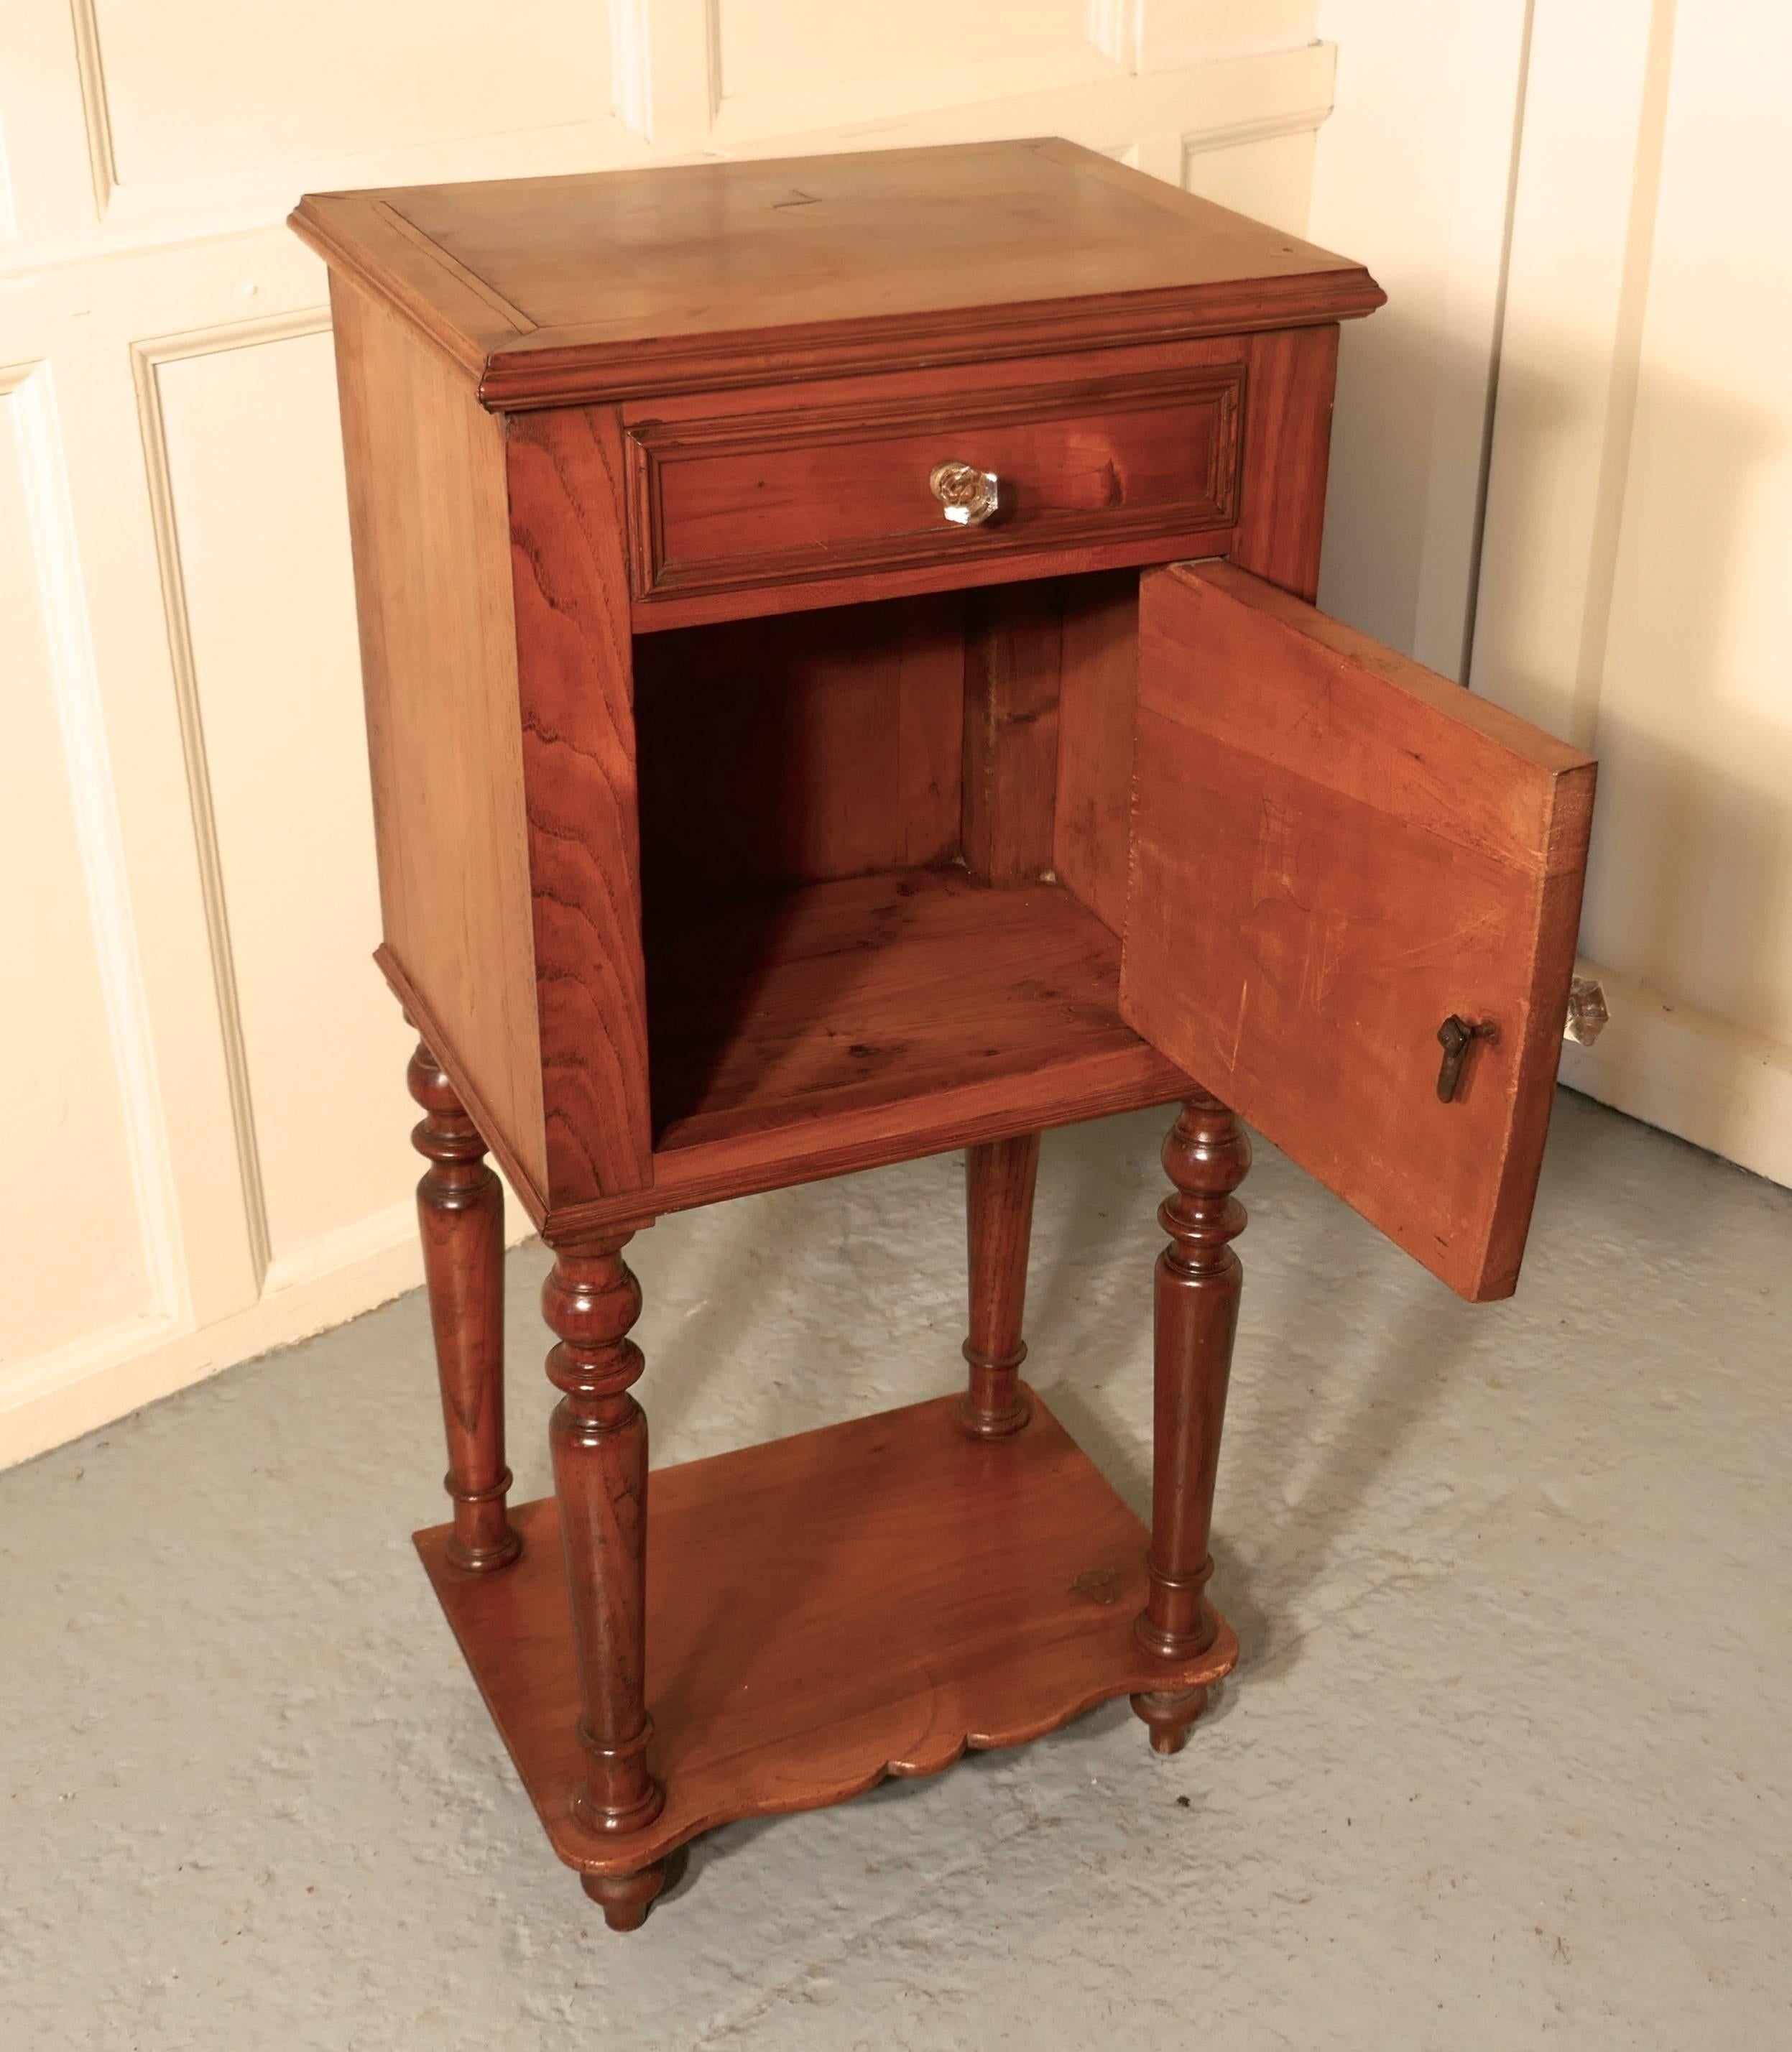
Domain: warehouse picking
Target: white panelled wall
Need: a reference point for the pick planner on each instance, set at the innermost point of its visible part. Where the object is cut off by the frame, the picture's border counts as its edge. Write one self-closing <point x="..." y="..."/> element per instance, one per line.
<point x="1639" y="535"/>
<point x="207" y="1116"/>
<point x="1563" y="472"/>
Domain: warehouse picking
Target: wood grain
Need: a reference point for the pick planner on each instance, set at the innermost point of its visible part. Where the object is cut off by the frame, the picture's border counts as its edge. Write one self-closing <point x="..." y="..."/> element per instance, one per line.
<point x="599" y="1437"/>
<point x="867" y="1599"/>
<point x="1334" y="850"/>
<point x="1287" y="446"/>
<point x="460" y="1219"/>
<point x="416" y="1013"/>
<point x="779" y="752"/>
<point x="950" y="569"/>
<point x="1186" y="496"/>
<point x="1014" y="652"/>
<point x="820" y="491"/>
<point x="1206" y="1156"/>
<point x="1098" y="698"/>
<point x="780" y="1020"/>
<point x="845" y="1025"/>
<point x="560" y="291"/>
<point x="999" y="1179"/>
<point x="429" y="525"/>
<point x="575" y="684"/>
<point x="712" y="1171"/>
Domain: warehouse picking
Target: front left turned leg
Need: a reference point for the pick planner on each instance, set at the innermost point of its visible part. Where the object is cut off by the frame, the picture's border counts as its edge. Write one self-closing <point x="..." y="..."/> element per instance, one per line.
<point x="461" y="1216"/>
<point x="1198" y="1279"/>
<point x="598" y="1435"/>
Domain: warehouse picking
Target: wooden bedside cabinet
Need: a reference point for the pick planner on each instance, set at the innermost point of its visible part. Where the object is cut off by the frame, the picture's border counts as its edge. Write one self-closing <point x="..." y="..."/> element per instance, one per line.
<point x="842" y="685"/>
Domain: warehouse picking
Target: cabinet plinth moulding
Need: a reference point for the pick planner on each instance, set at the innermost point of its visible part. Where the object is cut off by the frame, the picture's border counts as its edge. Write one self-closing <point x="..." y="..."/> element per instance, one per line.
<point x="843" y="686"/>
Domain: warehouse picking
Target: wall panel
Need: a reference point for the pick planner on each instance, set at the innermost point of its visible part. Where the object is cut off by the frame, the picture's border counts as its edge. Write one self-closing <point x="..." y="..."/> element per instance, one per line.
<point x="317" y="78"/>
<point x="770" y="50"/>
<point x="1414" y="177"/>
<point x="70" y="1240"/>
<point x="269" y="610"/>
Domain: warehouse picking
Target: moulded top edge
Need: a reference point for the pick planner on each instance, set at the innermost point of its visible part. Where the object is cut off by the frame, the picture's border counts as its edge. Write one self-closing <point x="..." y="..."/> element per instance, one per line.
<point x="556" y="291"/>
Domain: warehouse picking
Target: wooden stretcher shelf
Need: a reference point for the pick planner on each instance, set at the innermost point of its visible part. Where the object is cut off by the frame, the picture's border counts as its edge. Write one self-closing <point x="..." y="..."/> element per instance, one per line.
<point x="870" y="1598"/>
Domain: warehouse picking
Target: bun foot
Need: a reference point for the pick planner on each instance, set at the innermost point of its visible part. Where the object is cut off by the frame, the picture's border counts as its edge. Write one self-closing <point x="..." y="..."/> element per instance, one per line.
<point x="1168" y="1713"/>
<point x="624" y="1897"/>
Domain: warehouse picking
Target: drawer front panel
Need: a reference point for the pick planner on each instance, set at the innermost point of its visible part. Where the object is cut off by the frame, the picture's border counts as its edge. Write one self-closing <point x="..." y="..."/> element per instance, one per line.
<point x="790" y="496"/>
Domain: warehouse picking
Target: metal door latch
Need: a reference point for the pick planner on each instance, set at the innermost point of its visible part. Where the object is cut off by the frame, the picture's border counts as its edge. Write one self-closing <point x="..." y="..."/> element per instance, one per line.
<point x="1587" y="1017"/>
<point x="1455" y="1037"/>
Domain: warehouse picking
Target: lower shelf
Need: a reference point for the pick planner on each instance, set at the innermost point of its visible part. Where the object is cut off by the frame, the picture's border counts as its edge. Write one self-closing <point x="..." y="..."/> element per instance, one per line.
<point x="867" y="1600"/>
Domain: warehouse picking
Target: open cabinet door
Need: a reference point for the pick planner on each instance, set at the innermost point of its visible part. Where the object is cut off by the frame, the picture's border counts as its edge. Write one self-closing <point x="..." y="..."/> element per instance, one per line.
<point x="1334" y="853"/>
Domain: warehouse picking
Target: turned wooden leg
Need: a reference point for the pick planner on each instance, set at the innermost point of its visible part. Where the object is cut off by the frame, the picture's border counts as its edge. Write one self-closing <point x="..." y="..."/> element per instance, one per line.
<point x="998" y="1183"/>
<point x="460" y="1214"/>
<point x="1205" y="1156"/>
<point x="598" y="1435"/>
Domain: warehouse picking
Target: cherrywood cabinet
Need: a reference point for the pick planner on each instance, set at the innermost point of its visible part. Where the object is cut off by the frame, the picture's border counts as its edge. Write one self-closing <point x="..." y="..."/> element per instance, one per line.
<point x="842" y="684"/>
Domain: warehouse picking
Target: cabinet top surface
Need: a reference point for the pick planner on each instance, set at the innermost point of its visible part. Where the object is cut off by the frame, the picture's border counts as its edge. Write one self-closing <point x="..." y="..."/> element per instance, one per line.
<point x="550" y="290"/>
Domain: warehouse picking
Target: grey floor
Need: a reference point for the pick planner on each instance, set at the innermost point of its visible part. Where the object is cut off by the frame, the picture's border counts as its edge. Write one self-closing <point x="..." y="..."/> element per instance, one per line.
<point x="1507" y="1760"/>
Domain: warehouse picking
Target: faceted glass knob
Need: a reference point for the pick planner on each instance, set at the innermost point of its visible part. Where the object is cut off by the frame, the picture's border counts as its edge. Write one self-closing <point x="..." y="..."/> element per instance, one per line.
<point x="969" y="495"/>
<point x="1588" y="1014"/>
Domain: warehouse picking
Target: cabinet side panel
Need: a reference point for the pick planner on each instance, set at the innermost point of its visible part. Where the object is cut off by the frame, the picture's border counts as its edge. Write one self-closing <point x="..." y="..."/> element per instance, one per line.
<point x="1290" y="376"/>
<point x="1097" y="707"/>
<point x="430" y="530"/>
<point x="576" y="685"/>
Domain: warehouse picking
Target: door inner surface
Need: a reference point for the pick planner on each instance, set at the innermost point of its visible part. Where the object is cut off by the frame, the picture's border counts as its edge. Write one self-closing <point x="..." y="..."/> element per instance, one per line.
<point x="1344" y="867"/>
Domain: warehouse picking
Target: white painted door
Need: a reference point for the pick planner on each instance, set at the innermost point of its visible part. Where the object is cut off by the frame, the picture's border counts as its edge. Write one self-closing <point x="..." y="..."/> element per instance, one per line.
<point x="1639" y="533"/>
<point x="1577" y="208"/>
<point x="205" y="1072"/>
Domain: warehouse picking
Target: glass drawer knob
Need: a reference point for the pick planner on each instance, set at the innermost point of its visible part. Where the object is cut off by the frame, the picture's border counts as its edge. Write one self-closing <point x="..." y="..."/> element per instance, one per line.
<point x="969" y="495"/>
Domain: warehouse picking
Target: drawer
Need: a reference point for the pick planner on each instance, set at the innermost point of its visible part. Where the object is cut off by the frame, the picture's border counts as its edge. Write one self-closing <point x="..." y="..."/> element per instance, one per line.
<point x="779" y="488"/>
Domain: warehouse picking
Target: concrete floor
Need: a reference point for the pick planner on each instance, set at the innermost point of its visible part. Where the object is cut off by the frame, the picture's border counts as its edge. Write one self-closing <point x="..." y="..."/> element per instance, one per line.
<point x="1506" y="1762"/>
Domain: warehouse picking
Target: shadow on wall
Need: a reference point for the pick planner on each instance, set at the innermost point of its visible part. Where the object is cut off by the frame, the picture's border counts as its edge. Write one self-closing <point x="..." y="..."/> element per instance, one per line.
<point x="1687" y="885"/>
<point x="1396" y="376"/>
